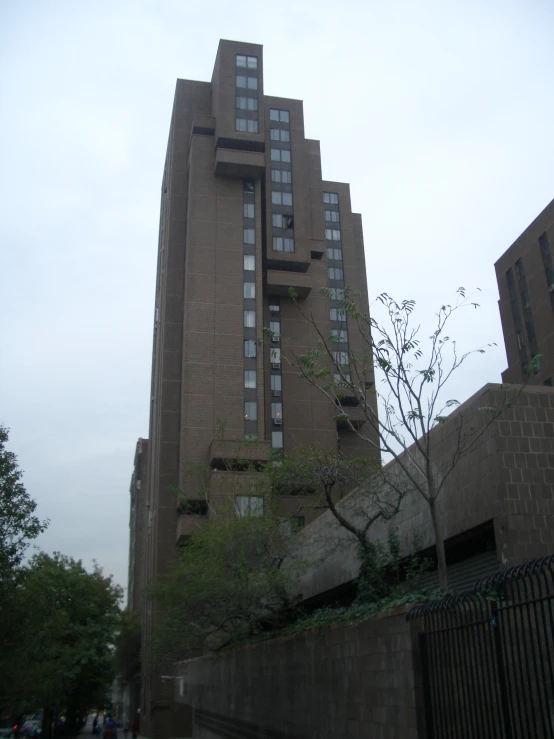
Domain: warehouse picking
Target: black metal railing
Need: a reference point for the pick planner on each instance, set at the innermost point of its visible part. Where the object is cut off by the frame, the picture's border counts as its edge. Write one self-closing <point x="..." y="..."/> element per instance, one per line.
<point x="487" y="657"/>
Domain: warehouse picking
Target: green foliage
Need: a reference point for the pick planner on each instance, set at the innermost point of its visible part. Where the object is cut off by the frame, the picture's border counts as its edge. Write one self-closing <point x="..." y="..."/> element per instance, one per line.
<point x="18" y="524"/>
<point x="384" y="574"/>
<point x="58" y="651"/>
<point x="128" y="646"/>
<point x="226" y="584"/>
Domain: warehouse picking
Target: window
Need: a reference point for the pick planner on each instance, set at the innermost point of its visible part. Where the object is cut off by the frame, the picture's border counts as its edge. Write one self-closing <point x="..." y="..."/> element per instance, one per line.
<point x="335" y="254"/>
<point x="250" y="437"/>
<point x="341" y="357"/>
<point x="277" y="220"/>
<point x="275" y="355"/>
<point x="249" y="505"/>
<point x="331" y="197"/>
<point x="279" y="175"/>
<point x="337" y="315"/>
<point x="283" y="244"/>
<point x="332" y="215"/>
<point x="275" y="327"/>
<point x="250" y="378"/>
<point x="249" y="210"/>
<point x="281" y="198"/>
<point x="280" y="155"/>
<point x="249" y="290"/>
<point x="249" y="235"/>
<point x="277" y="410"/>
<point x="345" y="377"/>
<point x="277" y="134"/>
<point x="248" y="187"/>
<point x="335" y="273"/>
<point x="249" y="83"/>
<point x="244" y="103"/>
<point x="293" y="524"/>
<point x="279" y="115"/>
<point x="340" y="333"/>
<point x="332" y="234"/>
<point x="274" y="308"/>
<point x="250" y="348"/>
<point x="241" y="124"/>
<point x="249" y="319"/>
<point x="249" y="263"/>
<point x="251" y="62"/>
<point x="277" y="439"/>
<point x="250" y="410"/>
<point x="336" y="293"/>
<point x="276" y="383"/>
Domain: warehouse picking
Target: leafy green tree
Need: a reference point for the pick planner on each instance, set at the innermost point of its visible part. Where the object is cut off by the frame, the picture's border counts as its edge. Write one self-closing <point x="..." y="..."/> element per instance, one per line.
<point x="18" y="524"/>
<point x="225" y="585"/>
<point x="412" y="392"/>
<point x="61" y="654"/>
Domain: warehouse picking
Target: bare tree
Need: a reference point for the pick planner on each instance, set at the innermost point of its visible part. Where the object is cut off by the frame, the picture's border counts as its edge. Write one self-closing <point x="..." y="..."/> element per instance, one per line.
<point x="414" y="376"/>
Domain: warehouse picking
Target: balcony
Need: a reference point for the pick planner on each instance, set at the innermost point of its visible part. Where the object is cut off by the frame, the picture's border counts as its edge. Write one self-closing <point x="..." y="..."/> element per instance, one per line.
<point x="280" y="281"/>
<point x="225" y="451"/>
<point x="187" y="525"/>
<point x="239" y="163"/>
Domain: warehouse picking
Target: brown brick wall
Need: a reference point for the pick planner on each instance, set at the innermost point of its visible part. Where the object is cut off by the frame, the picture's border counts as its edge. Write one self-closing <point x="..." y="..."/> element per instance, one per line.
<point x="526" y="247"/>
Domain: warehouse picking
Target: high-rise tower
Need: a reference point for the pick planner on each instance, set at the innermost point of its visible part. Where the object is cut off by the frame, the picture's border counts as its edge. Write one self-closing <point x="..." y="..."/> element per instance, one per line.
<point x="245" y="215"/>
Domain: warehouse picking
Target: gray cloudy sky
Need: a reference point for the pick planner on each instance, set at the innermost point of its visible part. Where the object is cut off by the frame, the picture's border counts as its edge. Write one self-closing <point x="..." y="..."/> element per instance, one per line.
<point x="439" y="114"/>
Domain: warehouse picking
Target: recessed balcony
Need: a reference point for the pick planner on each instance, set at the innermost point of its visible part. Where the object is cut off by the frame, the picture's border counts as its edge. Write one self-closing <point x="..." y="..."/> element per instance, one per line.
<point x="226" y="451"/>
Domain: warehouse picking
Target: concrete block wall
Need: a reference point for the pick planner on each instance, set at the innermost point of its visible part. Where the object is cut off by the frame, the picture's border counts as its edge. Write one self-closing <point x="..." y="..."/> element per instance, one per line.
<point x="335" y="682"/>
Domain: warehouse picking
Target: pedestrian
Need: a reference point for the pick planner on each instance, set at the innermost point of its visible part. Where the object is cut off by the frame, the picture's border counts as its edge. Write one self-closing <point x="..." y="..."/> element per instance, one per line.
<point x="134" y="729"/>
<point x="126" y="729"/>
<point x="110" y="732"/>
<point x="95" y="724"/>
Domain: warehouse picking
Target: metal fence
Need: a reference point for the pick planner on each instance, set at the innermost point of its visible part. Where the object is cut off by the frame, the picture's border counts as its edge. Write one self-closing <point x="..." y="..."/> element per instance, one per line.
<point x="487" y="657"/>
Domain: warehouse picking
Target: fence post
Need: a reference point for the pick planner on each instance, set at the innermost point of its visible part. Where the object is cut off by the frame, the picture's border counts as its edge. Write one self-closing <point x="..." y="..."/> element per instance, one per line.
<point x="495" y="623"/>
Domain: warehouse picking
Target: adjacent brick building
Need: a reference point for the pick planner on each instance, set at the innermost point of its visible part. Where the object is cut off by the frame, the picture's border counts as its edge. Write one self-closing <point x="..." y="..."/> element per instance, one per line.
<point x="245" y="216"/>
<point x="525" y="275"/>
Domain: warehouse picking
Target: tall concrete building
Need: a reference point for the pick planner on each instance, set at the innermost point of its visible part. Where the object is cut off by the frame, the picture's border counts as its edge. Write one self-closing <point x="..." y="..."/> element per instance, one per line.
<point x="525" y="275"/>
<point x="245" y="215"/>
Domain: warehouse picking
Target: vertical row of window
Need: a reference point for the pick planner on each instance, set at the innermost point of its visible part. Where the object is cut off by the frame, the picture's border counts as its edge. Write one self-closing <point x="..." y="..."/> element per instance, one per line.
<point x="335" y="274"/>
<point x="275" y="373"/>
<point x="249" y="295"/>
<point x="281" y="181"/>
<point x="246" y="81"/>
<point x="514" y="303"/>
<point x="548" y="267"/>
<point x="527" y="312"/>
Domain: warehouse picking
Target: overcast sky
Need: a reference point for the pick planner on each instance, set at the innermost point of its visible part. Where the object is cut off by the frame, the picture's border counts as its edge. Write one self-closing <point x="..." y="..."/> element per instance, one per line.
<point x="439" y="114"/>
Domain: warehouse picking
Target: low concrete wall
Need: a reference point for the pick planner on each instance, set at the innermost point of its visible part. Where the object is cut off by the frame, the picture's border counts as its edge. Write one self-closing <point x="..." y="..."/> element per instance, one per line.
<point x="340" y="682"/>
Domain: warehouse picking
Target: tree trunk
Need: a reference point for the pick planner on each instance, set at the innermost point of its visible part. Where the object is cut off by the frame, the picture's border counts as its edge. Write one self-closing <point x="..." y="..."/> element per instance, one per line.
<point x="439" y="544"/>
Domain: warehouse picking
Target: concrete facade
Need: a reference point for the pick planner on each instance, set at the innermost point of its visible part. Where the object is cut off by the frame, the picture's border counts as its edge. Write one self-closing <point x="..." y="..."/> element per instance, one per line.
<point x="525" y="275"/>
<point x="505" y="483"/>
<point x="245" y="215"/>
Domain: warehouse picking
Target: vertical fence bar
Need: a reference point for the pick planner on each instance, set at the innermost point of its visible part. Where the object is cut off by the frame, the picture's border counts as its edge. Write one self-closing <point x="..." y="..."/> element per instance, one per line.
<point x="504" y="699"/>
<point x="426" y="682"/>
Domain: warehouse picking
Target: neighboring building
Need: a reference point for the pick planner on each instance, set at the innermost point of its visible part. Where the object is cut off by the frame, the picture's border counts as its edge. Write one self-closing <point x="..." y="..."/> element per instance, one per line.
<point x="497" y="506"/>
<point x="137" y="526"/>
<point x="525" y="275"/>
<point x="245" y="215"/>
